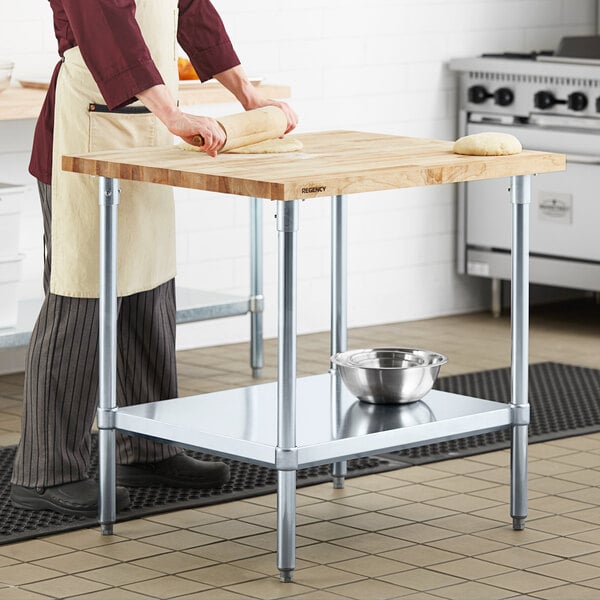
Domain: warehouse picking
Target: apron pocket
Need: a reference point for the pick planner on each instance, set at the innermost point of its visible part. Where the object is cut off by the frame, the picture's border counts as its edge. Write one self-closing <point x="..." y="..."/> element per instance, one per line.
<point x="128" y="128"/>
<point x="125" y="110"/>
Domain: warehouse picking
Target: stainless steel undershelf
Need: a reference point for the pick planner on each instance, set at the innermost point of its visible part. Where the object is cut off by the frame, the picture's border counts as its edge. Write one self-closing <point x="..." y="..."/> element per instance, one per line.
<point x="197" y="305"/>
<point x="242" y="423"/>
<point x="192" y="305"/>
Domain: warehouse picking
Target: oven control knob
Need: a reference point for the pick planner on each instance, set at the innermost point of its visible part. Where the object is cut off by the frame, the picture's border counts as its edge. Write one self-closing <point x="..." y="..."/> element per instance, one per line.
<point x="478" y="94"/>
<point x="504" y="97"/>
<point x="544" y="100"/>
<point x="577" y="101"/>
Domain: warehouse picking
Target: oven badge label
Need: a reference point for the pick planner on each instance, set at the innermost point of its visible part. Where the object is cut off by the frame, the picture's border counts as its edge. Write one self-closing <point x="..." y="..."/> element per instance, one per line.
<point x="554" y="207"/>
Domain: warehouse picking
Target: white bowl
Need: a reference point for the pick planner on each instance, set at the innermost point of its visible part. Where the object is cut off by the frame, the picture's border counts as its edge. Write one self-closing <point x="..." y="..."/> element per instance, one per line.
<point x="6" y="69"/>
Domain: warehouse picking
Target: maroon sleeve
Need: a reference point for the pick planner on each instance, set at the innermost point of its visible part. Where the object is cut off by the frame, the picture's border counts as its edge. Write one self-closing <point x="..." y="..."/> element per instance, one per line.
<point x="113" y="48"/>
<point x="202" y="35"/>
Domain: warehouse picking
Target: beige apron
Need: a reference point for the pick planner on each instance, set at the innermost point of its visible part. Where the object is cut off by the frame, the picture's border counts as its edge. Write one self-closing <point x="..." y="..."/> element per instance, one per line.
<point x="146" y="213"/>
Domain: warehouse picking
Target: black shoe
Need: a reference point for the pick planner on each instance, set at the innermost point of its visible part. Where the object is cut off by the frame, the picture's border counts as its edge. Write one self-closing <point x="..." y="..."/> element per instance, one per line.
<point x="78" y="498"/>
<point x="179" y="471"/>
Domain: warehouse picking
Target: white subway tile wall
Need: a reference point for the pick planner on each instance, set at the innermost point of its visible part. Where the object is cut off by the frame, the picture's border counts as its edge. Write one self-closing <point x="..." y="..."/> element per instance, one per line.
<point x="377" y="65"/>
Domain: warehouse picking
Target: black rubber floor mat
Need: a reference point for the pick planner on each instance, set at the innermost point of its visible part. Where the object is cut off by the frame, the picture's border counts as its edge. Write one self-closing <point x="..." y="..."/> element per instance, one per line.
<point x="246" y="481"/>
<point x="565" y="402"/>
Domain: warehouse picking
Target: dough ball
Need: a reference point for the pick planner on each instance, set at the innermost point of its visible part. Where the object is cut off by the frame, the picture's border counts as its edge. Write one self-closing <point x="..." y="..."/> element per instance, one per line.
<point x="488" y="144"/>
<point x="276" y="146"/>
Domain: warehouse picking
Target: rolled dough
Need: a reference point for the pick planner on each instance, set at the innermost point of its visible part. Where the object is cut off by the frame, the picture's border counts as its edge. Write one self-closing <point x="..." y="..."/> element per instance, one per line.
<point x="276" y="146"/>
<point x="488" y="144"/>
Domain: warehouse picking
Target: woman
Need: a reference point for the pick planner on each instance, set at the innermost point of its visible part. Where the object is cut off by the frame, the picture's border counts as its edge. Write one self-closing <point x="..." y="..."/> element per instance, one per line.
<point x="113" y="53"/>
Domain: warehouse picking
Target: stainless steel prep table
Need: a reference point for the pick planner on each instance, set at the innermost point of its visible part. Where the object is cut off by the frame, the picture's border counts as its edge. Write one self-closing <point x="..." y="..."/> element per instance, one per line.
<point x="294" y="423"/>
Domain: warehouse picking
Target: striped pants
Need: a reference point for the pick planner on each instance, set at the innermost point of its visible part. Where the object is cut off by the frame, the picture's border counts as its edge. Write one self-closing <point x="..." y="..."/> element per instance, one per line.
<point x="61" y="377"/>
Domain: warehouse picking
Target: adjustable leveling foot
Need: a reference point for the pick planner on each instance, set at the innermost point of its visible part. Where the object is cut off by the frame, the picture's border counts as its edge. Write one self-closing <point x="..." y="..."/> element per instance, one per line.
<point x="286" y="575"/>
<point x="338" y="482"/>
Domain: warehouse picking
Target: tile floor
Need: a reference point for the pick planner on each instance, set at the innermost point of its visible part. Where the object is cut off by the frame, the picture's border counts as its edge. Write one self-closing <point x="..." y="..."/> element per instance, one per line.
<point x="436" y="531"/>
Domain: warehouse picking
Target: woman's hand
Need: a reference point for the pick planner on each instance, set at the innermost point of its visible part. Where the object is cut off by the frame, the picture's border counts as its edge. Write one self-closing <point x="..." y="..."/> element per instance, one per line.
<point x="292" y="117"/>
<point x="203" y="132"/>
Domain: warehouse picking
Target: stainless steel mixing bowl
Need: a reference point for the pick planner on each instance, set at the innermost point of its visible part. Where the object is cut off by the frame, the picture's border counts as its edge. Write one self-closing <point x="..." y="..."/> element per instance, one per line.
<point x="389" y="375"/>
<point x="6" y="69"/>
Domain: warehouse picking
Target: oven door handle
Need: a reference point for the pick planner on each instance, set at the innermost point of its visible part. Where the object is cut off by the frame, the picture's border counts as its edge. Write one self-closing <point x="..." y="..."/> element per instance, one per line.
<point x="583" y="159"/>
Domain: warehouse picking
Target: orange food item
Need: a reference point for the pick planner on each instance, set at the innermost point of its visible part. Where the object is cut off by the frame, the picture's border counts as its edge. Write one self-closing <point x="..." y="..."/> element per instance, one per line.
<point x="186" y="69"/>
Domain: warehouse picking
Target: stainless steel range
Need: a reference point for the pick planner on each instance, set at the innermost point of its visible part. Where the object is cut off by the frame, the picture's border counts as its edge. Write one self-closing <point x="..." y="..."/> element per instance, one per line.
<point x="550" y="102"/>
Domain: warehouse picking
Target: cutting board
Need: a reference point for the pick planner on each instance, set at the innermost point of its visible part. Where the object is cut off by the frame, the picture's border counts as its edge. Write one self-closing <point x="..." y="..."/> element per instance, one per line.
<point x="332" y="163"/>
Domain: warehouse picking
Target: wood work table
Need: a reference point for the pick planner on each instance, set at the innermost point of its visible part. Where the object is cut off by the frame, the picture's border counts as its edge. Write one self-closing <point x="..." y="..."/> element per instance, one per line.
<point x="297" y="423"/>
<point x="331" y="163"/>
<point x="25" y="103"/>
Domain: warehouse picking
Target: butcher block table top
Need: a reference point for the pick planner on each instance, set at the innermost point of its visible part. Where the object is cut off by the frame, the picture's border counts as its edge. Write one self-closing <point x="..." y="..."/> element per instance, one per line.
<point x="331" y="163"/>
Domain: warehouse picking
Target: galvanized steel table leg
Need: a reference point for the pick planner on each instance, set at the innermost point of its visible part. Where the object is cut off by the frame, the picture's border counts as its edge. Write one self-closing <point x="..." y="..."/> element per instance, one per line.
<point x="521" y="198"/>
<point x="256" y="287"/>
<point x="339" y="304"/>
<point x="287" y="227"/>
<point x="496" y="298"/>
<point x="109" y="203"/>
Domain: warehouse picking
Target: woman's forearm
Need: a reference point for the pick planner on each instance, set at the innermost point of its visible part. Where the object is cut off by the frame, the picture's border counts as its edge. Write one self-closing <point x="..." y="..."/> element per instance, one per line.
<point x="160" y="101"/>
<point x="236" y="81"/>
<point x="249" y="96"/>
